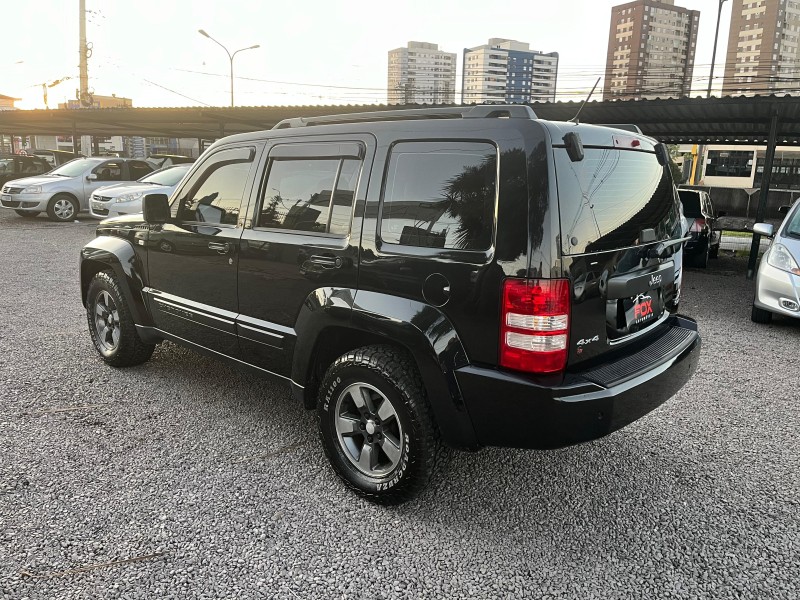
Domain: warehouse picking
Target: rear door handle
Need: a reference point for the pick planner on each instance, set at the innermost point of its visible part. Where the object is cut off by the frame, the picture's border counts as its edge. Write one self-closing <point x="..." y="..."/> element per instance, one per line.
<point x="220" y="247"/>
<point x="329" y="262"/>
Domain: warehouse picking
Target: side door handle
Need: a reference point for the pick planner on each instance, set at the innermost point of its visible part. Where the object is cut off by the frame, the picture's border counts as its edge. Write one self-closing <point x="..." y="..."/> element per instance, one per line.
<point x="220" y="247"/>
<point x="328" y="262"/>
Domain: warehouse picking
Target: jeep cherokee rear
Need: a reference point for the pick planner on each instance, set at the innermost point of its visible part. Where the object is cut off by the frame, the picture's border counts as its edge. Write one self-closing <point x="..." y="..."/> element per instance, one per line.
<point x="420" y="277"/>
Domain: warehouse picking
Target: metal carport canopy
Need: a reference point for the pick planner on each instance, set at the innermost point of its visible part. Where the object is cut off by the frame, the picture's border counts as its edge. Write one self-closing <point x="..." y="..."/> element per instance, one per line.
<point x="729" y="120"/>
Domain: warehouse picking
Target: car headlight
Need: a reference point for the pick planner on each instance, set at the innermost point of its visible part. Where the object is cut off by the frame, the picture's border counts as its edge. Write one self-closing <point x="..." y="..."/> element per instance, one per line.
<point x="33" y="189"/>
<point x="129" y="197"/>
<point x="780" y="258"/>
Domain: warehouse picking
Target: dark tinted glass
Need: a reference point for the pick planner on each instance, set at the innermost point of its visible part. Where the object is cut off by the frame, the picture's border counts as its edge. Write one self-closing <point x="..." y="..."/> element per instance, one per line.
<point x="440" y="195"/>
<point x="214" y="194"/>
<point x="608" y="198"/>
<point x="139" y="169"/>
<point x="298" y="195"/>
<point x="729" y="163"/>
<point x="691" y="204"/>
<point x="109" y="171"/>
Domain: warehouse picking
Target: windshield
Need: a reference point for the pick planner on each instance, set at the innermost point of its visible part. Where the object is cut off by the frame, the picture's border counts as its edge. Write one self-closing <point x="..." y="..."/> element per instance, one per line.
<point x="170" y="176"/>
<point x="76" y="167"/>
<point x="6" y="165"/>
<point x="691" y="204"/>
<point x="607" y="199"/>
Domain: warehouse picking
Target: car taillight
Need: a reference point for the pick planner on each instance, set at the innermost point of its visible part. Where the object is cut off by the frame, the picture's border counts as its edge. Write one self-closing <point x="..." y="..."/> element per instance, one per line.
<point x="535" y="325"/>
<point x="698" y="225"/>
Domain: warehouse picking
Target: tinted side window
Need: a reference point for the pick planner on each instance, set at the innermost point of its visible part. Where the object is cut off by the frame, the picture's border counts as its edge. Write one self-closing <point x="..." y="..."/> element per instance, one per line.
<point x="139" y="169"/>
<point x="300" y="195"/>
<point x="214" y="193"/>
<point x="440" y="195"/>
<point x="109" y="171"/>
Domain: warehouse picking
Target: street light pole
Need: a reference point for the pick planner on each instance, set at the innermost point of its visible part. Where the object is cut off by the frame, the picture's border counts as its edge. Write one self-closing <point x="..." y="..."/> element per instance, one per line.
<point x="714" y="53"/>
<point x="230" y="56"/>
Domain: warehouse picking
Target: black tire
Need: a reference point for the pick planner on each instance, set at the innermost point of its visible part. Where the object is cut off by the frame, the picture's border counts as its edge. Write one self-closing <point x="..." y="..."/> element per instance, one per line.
<point x="759" y="315"/>
<point x="700" y="260"/>
<point x="386" y="374"/>
<point x="62" y="208"/>
<point x="28" y="214"/>
<point x="107" y="312"/>
<point x="714" y="252"/>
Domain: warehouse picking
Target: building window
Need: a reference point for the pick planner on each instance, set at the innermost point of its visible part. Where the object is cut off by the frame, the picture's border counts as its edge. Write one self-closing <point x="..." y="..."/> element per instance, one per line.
<point x="729" y="163"/>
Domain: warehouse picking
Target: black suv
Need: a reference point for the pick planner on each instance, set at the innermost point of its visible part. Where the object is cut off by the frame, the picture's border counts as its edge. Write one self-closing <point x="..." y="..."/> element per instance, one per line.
<point x="411" y="275"/>
<point x="704" y="236"/>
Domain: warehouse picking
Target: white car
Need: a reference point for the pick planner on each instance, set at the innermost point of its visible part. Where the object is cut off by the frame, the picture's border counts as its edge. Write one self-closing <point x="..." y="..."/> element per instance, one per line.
<point x="65" y="191"/>
<point x="126" y="198"/>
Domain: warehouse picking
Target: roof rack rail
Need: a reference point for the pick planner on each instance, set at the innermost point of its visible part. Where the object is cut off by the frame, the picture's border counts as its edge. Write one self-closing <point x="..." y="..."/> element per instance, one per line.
<point x="481" y="111"/>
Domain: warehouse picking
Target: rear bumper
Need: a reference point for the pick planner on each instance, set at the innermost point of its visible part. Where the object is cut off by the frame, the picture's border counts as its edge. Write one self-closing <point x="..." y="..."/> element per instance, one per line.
<point x="513" y="411"/>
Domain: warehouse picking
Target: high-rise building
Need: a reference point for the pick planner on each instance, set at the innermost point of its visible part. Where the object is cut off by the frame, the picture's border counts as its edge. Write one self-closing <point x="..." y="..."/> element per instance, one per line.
<point x="763" y="54"/>
<point x="420" y="73"/>
<point x="507" y="71"/>
<point x="651" y="49"/>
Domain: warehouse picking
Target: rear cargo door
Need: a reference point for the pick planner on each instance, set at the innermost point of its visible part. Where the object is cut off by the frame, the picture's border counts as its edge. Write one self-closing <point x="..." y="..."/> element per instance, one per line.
<point x="619" y="211"/>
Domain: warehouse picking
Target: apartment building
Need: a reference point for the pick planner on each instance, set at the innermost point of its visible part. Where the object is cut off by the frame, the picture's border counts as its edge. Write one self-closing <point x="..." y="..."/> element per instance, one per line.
<point x="420" y="73"/>
<point x="651" y="50"/>
<point x="508" y="71"/>
<point x="762" y="55"/>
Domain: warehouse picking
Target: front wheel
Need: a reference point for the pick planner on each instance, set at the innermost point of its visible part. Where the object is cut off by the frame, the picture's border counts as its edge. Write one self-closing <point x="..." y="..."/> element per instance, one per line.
<point x="376" y="426"/>
<point x="759" y="315"/>
<point x="111" y="326"/>
<point x="28" y="214"/>
<point x="62" y="208"/>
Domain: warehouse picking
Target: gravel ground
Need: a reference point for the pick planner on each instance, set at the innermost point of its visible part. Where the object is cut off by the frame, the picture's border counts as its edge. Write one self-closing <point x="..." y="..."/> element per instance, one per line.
<point x="196" y="481"/>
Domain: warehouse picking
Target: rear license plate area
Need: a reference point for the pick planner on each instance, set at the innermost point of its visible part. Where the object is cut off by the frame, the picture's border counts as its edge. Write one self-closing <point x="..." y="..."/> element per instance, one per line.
<point x="641" y="310"/>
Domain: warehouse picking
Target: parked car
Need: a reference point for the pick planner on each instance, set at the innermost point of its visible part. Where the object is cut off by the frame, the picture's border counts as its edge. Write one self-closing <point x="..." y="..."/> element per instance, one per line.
<point x="413" y="281"/>
<point x="16" y="166"/>
<point x="778" y="280"/>
<point x="159" y="161"/>
<point x="56" y="158"/>
<point x="65" y="191"/>
<point x="126" y="198"/>
<point x="705" y="237"/>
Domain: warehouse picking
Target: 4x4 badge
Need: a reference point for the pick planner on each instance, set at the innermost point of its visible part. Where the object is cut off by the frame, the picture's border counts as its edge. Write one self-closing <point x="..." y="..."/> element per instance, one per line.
<point x="585" y="341"/>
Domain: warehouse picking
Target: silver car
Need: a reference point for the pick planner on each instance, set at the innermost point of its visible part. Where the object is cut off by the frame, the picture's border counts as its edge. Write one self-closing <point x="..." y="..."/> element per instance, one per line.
<point x="126" y="198"/>
<point x="778" y="282"/>
<point x="65" y="191"/>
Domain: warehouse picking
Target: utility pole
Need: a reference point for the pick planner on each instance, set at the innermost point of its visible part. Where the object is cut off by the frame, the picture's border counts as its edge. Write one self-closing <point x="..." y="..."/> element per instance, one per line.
<point x="83" y="55"/>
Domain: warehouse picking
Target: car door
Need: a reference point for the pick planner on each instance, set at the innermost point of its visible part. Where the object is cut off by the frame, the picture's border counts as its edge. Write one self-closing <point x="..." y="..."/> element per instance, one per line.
<point x="192" y="259"/>
<point x="106" y="173"/>
<point x="300" y="240"/>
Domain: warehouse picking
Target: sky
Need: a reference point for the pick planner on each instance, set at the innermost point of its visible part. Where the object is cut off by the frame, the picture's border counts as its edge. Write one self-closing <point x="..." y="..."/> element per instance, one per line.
<point x="311" y="51"/>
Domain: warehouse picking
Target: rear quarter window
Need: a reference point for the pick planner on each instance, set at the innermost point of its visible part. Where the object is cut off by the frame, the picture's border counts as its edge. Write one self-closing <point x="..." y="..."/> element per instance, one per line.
<point x="440" y="195"/>
<point x="609" y="197"/>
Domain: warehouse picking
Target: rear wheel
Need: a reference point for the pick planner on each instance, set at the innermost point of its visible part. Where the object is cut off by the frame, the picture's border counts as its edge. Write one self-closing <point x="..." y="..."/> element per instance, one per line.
<point x="376" y="426"/>
<point x="111" y="325"/>
<point x="62" y="208"/>
<point x="28" y="214"/>
<point x="714" y="252"/>
<point x="700" y="260"/>
<point x="759" y="315"/>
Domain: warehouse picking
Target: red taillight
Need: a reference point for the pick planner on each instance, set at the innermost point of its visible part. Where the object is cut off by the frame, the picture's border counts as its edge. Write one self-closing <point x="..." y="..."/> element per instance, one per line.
<point x="534" y="331"/>
<point x="698" y="225"/>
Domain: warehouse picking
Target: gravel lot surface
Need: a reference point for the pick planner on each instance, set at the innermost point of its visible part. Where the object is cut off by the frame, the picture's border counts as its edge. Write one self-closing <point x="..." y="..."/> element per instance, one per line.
<point x="196" y="481"/>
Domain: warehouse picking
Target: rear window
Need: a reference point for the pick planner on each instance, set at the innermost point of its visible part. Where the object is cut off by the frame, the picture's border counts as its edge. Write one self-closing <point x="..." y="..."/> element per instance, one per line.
<point x="609" y="197"/>
<point x="691" y="204"/>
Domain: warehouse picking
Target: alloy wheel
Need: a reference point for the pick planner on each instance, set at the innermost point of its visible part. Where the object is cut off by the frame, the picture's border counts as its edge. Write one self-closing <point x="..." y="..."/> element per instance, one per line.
<point x="106" y="322"/>
<point x="368" y="429"/>
<point x="64" y="209"/>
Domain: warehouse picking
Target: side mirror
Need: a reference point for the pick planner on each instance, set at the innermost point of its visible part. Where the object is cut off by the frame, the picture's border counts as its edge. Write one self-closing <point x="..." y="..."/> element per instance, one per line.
<point x="156" y="208"/>
<point x="91" y="177"/>
<point x="763" y="229"/>
<point x="784" y="209"/>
